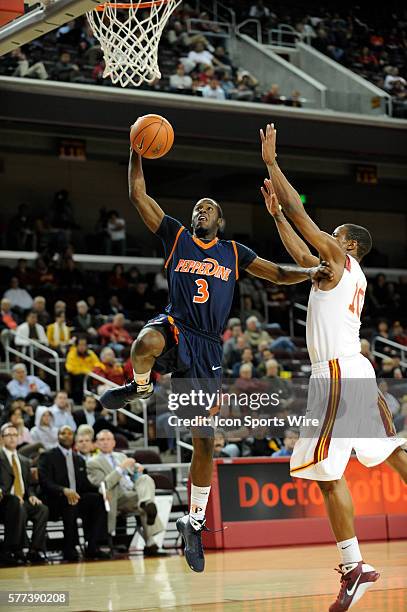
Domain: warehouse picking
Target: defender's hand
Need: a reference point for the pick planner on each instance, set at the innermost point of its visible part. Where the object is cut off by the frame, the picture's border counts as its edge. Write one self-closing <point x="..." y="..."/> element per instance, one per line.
<point x="270" y="198"/>
<point x="268" y="144"/>
<point x="321" y="272"/>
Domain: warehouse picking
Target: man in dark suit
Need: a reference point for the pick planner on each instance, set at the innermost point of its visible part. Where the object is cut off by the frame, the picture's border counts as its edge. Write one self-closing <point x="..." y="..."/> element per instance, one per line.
<point x="19" y="504"/>
<point x="69" y="494"/>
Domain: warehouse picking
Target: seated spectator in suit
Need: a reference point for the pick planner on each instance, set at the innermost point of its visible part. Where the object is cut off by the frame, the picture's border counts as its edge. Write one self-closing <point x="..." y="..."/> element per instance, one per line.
<point x="30" y="330"/>
<point x="84" y="322"/>
<point x="87" y="414"/>
<point x="84" y="444"/>
<point x="69" y="494"/>
<point x="130" y="491"/>
<point x="25" y="444"/>
<point x="18" y="504"/>
<point x="44" y="430"/>
<point x="58" y="333"/>
<point x="79" y="362"/>
<point x="290" y="438"/>
<point x="61" y="411"/>
<point x="26" y="386"/>
<point x="115" y="335"/>
<point x="109" y="368"/>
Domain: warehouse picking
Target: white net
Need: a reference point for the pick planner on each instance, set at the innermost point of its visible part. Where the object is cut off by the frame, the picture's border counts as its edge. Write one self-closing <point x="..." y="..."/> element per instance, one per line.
<point x="129" y="35"/>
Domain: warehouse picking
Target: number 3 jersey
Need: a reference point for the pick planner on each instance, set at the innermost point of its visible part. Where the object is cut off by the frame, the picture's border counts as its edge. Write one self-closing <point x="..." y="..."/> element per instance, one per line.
<point x="201" y="276"/>
<point x="333" y="319"/>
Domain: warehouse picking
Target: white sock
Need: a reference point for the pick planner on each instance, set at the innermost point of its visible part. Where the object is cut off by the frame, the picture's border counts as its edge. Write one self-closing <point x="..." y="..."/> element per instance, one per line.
<point x="349" y="551"/>
<point x="199" y="501"/>
<point x="142" y="379"/>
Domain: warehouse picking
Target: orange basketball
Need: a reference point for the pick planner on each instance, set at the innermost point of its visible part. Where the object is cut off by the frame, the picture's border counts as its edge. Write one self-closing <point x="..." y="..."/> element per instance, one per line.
<point x="151" y="136"/>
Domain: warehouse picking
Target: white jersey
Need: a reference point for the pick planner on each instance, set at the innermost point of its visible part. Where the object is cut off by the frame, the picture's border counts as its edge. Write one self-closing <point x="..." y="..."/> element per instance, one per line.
<point x="333" y="318"/>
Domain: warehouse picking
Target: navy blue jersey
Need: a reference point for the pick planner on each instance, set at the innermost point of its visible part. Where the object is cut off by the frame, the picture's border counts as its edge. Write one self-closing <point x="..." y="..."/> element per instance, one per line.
<point x="201" y="276"/>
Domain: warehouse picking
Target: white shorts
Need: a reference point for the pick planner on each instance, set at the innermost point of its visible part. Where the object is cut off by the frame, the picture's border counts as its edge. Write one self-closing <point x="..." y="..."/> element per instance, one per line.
<point x="351" y="413"/>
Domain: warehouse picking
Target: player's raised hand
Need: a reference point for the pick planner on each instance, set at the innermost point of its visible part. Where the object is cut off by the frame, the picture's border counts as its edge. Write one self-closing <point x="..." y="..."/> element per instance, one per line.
<point x="268" y="144"/>
<point x="270" y="198"/>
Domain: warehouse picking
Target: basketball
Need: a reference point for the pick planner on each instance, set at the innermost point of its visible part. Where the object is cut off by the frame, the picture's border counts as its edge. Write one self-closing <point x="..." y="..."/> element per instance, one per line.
<point x="151" y="136"/>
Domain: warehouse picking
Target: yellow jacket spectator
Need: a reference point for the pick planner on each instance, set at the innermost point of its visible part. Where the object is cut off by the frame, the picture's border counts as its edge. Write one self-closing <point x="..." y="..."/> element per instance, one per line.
<point x="58" y="333"/>
<point x="80" y="359"/>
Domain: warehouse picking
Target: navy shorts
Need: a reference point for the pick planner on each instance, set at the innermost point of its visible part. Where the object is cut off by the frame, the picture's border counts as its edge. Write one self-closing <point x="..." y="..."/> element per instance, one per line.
<point x="193" y="359"/>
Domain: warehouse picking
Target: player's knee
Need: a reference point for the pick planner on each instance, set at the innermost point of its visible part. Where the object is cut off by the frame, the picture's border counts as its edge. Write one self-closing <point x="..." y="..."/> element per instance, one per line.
<point x="203" y="447"/>
<point x="328" y="486"/>
<point x="149" y="343"/>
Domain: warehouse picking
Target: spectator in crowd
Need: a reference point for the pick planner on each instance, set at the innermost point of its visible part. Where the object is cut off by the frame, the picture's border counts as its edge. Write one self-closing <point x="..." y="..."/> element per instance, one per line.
<point x="40" y="307"/>
<point x="388" y="369"/>
<point x="18" y="504"/>
<point x="259" y="11"/>
<point x="35" y="71"/>
<point x="84" y="444"/>
<point x="26" y="386"/>
<point x="115" y="306"/>
<point x="44" y="276"/>
<point x="294" y="100"/>
<point x="79" y="362"/>
<point x="87" y="414"/>
<point x="94" y="311"/>
<point x="69" y="494"/>
<point x="222" y="449"/>
<point x="213" y="90"/>
<point x="273" y="95"/>
<point x="30" y="330"/>
<point x="231" y="344"/>
<point x="61" y="411"/>
<point x="366" y="352"/>
<point x="179" y="82"/>
<point x="228" y="85"/>
<point x="84" y="322"/>
<point x="58" y="333"/>
<point x="246" y="87"/>
<point x="398" y="334"/>
<point x="24" y="438"/>
<point x="116" y="229"/>
<point x="8" y="322"/>
<point x="117" y="278"/>
<point x="254" y="334"/>
<point x="278" y="385"/>
<point x="392" y="403"/>
<point x="227" y="334"/>
<point x="248" y="310"/>
<point x="19" y="298"/>
<point x="290" y="438"/>
<point x="260" y="443"/>
<point x="223" y="58"/>
<point x="22" y="236"/>
<point x="109" y="368"/>
<point x="64" y="69"/>
<point x="115" y="335"/>
<point x="44" y="430"/>
<point x="58" y="306"/>
<point x="22" y="271"/>
<point x="130" y="491"/>
<point x="200" y="56"/>
<point x="393" y="77"/>
<point x="247" y="358"/>
<point x="70" y="276"/>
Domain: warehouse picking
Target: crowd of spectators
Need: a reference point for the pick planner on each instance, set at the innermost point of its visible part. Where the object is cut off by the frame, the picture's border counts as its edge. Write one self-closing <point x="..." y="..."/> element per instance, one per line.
<point x="92" y="334"/>
<point x="197" y="62"/>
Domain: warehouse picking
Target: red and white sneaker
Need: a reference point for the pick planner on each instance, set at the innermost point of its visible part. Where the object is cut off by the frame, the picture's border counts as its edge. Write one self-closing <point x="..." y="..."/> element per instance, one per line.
<point x="355" y="580"/>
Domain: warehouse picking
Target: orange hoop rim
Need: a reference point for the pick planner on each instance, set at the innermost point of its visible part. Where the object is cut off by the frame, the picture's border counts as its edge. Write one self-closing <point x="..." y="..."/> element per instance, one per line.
<point x="129" y="5"/>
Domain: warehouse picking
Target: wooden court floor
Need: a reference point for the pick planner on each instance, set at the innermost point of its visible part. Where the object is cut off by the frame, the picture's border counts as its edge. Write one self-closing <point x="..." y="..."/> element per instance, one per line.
<point x="279" y="579"/>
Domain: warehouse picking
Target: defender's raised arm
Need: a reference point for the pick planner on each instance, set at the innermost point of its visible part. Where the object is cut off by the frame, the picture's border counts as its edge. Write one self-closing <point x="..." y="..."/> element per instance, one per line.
<point x="151" y="213"/>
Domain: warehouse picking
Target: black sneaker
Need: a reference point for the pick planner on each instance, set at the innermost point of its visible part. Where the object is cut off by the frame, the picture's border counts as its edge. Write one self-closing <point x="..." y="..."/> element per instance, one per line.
<point x="113" y="399"/>
<point x="194" y="553"/>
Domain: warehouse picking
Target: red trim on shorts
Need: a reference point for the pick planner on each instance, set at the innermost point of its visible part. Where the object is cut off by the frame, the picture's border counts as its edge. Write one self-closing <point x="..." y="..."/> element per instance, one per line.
<point x="322" y="447"/>
<point x="386" y="416"/>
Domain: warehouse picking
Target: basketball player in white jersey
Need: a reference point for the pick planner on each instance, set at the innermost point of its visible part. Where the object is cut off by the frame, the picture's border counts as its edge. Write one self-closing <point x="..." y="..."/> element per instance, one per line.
<point x="340" y="374"/>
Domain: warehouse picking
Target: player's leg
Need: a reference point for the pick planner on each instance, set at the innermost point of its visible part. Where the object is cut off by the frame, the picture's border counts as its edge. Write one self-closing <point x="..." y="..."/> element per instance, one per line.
<point x="192" y="525"/>
<point x="357" y="576"/>
<point x="149" y="345"/>
<point x="398" y="461"/>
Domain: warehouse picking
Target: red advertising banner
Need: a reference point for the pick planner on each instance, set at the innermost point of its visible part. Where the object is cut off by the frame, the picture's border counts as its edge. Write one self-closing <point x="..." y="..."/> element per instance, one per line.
<point x="261" y="492"/>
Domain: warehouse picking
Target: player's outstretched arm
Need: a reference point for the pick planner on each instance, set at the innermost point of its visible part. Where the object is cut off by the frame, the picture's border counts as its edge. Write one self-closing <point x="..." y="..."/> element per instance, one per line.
<point x="294" y="245"/>
<point x="290" y="200"/>
<point x="151" y="213"/>
<point x="288" y="275"/>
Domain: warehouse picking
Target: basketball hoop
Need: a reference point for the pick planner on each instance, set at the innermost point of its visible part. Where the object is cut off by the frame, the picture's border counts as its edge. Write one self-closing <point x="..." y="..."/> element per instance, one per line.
<point x="129" y="34"/>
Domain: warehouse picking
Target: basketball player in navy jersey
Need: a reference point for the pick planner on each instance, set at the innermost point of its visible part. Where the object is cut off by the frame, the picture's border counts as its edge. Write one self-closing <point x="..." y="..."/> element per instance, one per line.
<point x="202" y="271"/>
